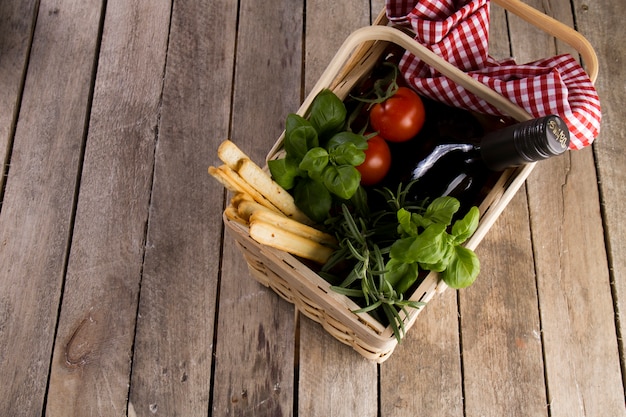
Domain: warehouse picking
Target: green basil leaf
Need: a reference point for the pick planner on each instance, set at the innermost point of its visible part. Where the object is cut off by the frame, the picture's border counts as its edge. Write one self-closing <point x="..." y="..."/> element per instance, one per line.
<point x="313" y="199"/>
<point x="420" y="221"/>
<point x="405" y="225"/>
<point x="343" y="180"/>
<point x="463" y="269"/>
<point x="314" y="161"/>
<point x="443" y="262"/>
<point x="402" y="250"/>
<point x="343" y="138"/>
<point x="327" y="113"/>
<point x="465" y="227"/>
<point x="429" y="246"/>
<point x="401" y="275"/>
<point x="442" y="209"/>
<point x="347" y="154"/>
<point x="284" y="171"/>
<point x="295" y="121"/>
<point x="300" y="136"/>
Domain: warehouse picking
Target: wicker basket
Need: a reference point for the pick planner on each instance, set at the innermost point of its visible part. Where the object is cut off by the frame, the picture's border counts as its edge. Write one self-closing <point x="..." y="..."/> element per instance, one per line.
<point x="298" y="284"/>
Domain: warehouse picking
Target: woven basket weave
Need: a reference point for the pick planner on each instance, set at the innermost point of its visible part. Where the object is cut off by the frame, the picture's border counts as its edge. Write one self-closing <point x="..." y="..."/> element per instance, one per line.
<point x="293" y="280"/>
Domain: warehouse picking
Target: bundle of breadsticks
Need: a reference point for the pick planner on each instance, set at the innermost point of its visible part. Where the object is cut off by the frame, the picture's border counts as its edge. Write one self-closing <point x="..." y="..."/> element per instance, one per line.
<point x="267" y="209"/>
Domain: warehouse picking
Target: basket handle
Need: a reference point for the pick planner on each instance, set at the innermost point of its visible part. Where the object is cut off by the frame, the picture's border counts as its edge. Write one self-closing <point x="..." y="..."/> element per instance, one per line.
<point x="390" y="34"/>
<point x="380" y="32"/>
<point x="546" y="23"/>
<point x="557" y="29"/>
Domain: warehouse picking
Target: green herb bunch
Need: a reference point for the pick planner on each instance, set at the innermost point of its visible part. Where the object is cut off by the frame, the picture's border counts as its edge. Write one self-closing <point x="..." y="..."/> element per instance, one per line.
<point x="321" y="156"/>
<point x="388" y="249"/>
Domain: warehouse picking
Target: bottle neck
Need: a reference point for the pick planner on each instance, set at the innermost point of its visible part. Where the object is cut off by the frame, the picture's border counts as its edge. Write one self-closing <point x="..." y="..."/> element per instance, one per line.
<point x="526" y="142"/>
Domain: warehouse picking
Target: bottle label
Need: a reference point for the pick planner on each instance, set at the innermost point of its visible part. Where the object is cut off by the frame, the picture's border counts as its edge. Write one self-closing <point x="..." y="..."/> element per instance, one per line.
<point x="559" y="133"/>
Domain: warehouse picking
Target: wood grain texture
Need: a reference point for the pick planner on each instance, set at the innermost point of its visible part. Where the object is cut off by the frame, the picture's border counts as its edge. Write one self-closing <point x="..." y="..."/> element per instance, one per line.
<point x="576" y="308"/>
<point x="376" y="7"/>
<point x="173" y="349"/>
<point x="254" y="359"/>
<point x="499" y="41"/>
<point x="346" y="383"/>
<point x="35" y="222"/>
<point x="328" y="24"/>
<point x="529" y="43"/>
<point x="575" y="297"/>
<point x="601" y="24"/>
<point x="91" y="361"/>
<point x="17" y="23"/>
<point x="500" y="330"/>
<point x="424" y="375"/>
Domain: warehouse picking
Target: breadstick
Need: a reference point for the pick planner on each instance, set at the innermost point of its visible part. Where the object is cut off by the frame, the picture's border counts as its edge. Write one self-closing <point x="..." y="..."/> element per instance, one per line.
<point x="270" y="235"/>
<point x="230" y="154"/>
<point x="248" y="208"/>
<point x="236" y="184"/>
<point x="263" y="183"/>
<point x="260" y="180"/>
<point x="238" y="198"/>
<point x="293" y="226"/>
<point x="222" y="179"/>
<point x="231" y="214"/>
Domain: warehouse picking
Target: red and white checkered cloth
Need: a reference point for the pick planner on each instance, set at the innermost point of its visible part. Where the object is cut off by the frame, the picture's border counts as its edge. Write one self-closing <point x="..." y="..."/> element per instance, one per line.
<point x="458" y="31"/>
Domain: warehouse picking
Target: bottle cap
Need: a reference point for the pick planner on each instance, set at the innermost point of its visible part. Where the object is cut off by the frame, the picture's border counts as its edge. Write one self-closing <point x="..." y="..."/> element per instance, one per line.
<point x="530" y="141"/>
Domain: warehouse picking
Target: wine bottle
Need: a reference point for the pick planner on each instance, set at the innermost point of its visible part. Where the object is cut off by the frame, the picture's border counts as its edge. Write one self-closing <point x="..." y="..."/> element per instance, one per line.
<point x="455" y="158"/>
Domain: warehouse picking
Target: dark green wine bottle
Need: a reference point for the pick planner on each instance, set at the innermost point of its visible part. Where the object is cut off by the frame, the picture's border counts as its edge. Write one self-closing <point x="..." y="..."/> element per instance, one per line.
<point x="461" y="169"/>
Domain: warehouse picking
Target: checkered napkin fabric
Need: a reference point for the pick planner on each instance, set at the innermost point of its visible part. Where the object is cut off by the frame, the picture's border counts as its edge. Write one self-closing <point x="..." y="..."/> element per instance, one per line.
<point x="458" y="31"/>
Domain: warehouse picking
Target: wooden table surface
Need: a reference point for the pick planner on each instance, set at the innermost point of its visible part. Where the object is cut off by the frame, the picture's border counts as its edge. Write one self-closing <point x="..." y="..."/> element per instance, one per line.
<point x="120" y="295"/>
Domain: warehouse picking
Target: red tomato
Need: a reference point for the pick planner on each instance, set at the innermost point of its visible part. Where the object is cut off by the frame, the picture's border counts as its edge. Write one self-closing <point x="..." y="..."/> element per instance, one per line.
<point x="400" y="117"/>
<point x="377" y="161"/>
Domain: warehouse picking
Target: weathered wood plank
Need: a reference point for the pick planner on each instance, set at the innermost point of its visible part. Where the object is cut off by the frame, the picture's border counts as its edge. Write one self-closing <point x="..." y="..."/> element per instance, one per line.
<point x="255" y="346"/>
<point x="499" y="41"/>
<point x="174" y="339"/>
<point x="328" y="24"/>
<point x="17" y="22"/>
<point x="346" y="384"/>
<point x="254" y="359"/>
<point x="334" y="380"/>
<point x="577" y="316"/>
<point x="91" y="363"/>
<point x="423" y="376"/>
<point x="500" y="330"/>
<point x="36" y="214"/>
<point x="581" y="358"/>
<point x="376" y="7"/>
<point x="600" y="22"/>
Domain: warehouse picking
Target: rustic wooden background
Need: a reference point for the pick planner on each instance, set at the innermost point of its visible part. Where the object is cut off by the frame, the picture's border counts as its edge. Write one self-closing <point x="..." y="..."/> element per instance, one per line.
<point x="120" y="296"/>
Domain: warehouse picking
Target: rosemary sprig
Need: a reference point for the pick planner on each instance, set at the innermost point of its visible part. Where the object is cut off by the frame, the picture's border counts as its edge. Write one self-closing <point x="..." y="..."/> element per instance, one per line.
<point x="360" y="235"/>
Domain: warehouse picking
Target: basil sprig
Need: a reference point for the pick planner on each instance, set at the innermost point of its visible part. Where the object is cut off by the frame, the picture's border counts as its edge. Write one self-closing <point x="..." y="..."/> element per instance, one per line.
<point x="320" y="157"/>
<point x="425" y="243"/>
